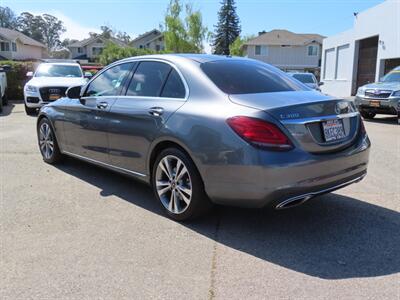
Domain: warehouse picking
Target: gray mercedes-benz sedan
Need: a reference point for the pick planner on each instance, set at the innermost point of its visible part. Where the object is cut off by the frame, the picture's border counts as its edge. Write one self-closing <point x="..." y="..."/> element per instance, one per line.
<point x="205" y="129"/>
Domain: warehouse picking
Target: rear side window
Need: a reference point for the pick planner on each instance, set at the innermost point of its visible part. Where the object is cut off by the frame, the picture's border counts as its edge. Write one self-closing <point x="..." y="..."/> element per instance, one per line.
<point x="174" y="87"/>
<point x="248" y="77"/>
<point x="148" y="79"/>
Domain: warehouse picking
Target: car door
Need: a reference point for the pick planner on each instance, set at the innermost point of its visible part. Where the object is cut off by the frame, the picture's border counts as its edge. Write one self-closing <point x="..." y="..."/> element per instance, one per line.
<point x="87" y="120"/>
<point x="155" y="91"/>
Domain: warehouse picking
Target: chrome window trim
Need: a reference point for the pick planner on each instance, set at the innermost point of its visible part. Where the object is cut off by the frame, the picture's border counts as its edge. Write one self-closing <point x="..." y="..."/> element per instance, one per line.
<point x="139" y="60"/>
<point x="103" y="164"/>
<point x="320" y="119"/>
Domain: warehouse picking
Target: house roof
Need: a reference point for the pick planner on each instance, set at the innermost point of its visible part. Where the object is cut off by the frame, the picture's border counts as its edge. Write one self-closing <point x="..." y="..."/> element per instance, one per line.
<point x="13" y="35"/>
<point x="92" y="39"/>
<point x="146" y="34"/>
<point x="279" y="37"/>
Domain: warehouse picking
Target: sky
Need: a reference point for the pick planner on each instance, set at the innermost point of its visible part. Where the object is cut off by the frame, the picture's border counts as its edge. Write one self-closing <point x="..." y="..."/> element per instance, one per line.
<point x="325" y="17"/>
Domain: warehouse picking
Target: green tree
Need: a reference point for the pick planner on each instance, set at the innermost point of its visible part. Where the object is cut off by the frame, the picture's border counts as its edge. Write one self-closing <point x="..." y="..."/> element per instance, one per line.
<point x="52" y="28"/>
<point x="183" y="35"/>
<point x="8" y="18"/>
<point x="227" y="29"/>
<point x="113" y="52"/>
<point x="31" y="26"/>
<point x="236" y="48"/>
<point x="106" y="31"/>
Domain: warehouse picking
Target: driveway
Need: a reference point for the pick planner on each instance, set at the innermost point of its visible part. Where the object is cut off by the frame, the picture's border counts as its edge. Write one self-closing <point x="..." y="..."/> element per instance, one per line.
<point x="75" y="231"/>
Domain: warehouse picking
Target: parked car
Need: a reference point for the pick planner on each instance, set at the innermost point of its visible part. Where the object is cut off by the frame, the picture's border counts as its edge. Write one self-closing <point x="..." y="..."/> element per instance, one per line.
<point x="3" y="87"/>
<point x="382" y="97"/>
<point x="50" y="82"/>
<point x="190" y="126"/>
<point x="308" y="79"/>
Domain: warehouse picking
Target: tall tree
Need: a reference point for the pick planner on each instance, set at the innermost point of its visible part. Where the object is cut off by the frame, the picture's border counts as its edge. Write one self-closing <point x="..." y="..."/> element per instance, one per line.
<point x="52" y="28"/>
<point x="183" y="35"/>
<point x="31" y="26"/>
<point x="8" y="18"/>
<point x="227" y="29"/>
<point x="106" y="31"/>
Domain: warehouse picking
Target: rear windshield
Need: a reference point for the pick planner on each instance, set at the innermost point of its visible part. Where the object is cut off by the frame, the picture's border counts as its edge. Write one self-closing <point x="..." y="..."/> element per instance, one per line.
<point x="249" y="77"/>
<point x="305" y="78"/>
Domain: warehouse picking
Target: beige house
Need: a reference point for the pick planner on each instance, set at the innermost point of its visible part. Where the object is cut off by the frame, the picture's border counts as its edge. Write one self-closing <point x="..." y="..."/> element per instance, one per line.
<point x="16" y="46"/>
<point x="89" y="49"/>
<point x="287" y="50"/>
<point x="153" y="40"/>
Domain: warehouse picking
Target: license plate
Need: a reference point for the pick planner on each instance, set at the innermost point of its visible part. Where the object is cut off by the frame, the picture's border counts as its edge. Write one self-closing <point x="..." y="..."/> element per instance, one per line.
<point x="374" y="103"/>
<point x="333" y="130"/>
<point x="54" y="96"/>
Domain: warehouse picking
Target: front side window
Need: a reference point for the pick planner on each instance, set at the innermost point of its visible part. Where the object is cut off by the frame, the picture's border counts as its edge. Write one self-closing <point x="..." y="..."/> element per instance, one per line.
<point x="173" y="87"/>
<point x="312" y="50"/>
<point x="248" y="77"/>
<point x="109" y="82"/>
<point x="148" y="79"/>
<point x="49" y="70"/>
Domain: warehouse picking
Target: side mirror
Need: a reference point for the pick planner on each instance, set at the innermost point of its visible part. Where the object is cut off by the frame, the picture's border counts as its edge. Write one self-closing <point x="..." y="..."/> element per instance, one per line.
<point x="29" y="74"/>
<point x="74" y="92"/>
<point x="88" y="75"/>
<point x="320" y="83"/>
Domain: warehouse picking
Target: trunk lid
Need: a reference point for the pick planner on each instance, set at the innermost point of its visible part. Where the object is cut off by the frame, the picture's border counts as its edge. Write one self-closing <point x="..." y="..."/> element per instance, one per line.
<point x="311" y="118"/>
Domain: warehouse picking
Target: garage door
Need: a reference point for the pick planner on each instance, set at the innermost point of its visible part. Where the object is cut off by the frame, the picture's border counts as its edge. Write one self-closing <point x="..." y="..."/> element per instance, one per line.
<point x="368" y="50"/>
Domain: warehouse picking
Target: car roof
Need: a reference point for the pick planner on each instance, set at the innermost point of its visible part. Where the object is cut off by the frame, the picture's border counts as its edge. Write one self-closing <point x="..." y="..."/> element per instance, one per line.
<point x="200" y="58"/>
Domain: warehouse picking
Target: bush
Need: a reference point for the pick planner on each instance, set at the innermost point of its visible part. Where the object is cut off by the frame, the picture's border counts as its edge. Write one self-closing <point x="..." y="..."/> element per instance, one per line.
<point x="16" y="77"/>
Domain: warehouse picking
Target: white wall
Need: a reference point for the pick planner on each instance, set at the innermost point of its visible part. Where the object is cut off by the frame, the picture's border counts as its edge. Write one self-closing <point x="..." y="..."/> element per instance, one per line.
<point x="287" y="57"/>
<point x="28" y="52"/>
<point x="382" y="20"/>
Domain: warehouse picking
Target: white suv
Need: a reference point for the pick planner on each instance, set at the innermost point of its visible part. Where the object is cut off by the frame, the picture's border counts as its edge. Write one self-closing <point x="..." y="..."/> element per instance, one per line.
<point x="49" y="83"/>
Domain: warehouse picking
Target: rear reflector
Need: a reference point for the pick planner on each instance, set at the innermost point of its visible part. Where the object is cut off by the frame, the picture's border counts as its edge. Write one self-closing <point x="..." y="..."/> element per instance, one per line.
<point x="260" y="133"/>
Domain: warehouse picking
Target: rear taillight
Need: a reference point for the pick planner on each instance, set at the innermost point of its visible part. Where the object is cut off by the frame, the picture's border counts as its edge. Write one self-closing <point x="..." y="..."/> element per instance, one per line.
<point x="260" y="133"/>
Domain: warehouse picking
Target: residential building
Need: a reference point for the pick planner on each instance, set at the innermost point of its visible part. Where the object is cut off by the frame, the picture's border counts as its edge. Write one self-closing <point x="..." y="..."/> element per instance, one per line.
<point x="287" y="50"/>
<point x="364" y="53"/>
<point x="153" y="40"/>
<point x="15" y="45"/>
<point x="90" y="48"/>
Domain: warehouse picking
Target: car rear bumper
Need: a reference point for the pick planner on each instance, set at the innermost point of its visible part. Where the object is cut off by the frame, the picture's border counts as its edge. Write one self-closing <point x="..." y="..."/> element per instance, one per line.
<point x="389" y="106"/>
<point x="282" y="176"/>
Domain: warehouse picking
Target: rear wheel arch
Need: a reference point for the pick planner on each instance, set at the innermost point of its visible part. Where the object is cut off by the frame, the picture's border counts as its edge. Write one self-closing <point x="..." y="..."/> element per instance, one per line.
<point x="162" y="145"/>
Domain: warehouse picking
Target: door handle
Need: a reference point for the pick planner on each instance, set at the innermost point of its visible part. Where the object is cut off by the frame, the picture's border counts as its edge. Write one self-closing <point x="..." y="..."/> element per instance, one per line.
<point x="102" y="105"/>
<point x="156" y="111"/>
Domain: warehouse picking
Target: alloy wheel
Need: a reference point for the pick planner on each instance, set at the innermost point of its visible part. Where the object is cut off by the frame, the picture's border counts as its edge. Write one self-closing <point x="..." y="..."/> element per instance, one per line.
<point x="46" y="141"/>
<point x="173" y="184"/>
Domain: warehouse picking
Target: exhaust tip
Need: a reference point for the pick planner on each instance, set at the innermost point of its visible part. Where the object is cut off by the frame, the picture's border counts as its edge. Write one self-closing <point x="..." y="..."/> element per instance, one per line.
<point x="293" y="202"/>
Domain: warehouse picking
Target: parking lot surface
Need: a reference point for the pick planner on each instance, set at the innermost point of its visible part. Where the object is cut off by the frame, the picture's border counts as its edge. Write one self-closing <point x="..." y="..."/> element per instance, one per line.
<point x="76" y="231"/>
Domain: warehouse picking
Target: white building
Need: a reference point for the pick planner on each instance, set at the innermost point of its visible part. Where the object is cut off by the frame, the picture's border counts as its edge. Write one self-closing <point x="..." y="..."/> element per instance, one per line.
<point x="287" y="50"/>
<point x="364" y="53"/>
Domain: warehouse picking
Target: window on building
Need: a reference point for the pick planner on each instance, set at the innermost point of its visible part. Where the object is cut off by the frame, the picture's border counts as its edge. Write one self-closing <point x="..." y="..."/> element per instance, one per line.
<point x="14" y="47"/>
<point x="313" y="50"/>
<point x="158" y="48"/>
<point x="343" y="62"/>
<point x="5" y="46"/>
<point x="79" y="50"/>
<point x="97" y="50"/>
<point x="330" y="62"/>
<point x="261" y="50"/>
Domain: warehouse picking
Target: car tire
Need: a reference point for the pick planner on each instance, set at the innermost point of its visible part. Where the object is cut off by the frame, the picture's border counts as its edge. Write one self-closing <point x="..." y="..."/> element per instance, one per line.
<point x="30" y="111"/>
<point x="5" y="99"/>
<point x="368" y="114"/>
<point x="178" y="186"/>
<point x="47" y="142"/>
